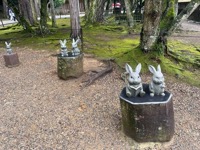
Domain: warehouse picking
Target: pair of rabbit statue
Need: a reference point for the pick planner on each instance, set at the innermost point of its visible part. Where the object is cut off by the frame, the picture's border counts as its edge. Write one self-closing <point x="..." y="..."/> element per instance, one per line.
<point x="75" y="49"/>
<point x="134" y="84"/>
<point x="8" y="48"/>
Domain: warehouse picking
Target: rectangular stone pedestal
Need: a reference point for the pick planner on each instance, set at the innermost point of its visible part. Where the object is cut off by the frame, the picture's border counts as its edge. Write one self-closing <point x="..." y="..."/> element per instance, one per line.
<point x="11" y="60"/>
<point x="70" y="66"/>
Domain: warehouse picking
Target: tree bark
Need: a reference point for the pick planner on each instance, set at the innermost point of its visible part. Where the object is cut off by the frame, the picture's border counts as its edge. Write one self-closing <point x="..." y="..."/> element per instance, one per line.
<point x="187" y="11"/>
<point x="53" y="16"/>
<point x="43" y="16"/>
<point x="21" y="20"/>
<point x="128" y="12"/>
<point x="96" y="10"/>
<point x="75" y="19"/>
<point x="5" y="9"/>
<point x="150" y="29"/>
<point x="26" y="10"/>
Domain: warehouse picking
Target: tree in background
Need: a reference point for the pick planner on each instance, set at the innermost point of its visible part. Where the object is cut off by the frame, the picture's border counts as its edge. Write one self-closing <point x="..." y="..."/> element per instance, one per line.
<point x="95" y="12"/>
<point x="27" y="10"/>
<point x="43" y="17"/>
<point x="160" y="20"/>
<point x="53" y="15"/>
<point x="74" y="18"/>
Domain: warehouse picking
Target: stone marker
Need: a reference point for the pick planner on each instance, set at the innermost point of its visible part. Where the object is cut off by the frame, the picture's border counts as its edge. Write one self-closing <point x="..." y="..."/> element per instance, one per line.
<point x="11" y="59"/>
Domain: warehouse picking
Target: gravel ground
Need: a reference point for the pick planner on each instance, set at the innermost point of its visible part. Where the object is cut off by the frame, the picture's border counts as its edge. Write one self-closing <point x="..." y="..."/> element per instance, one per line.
<point x="39" y="111"/>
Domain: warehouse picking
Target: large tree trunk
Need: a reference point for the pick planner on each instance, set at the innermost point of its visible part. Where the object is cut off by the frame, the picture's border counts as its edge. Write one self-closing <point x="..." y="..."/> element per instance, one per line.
<point x="128" y="12"/>
<point x="96" y="10"/>
<point x="53" y="15"/>
<point x="187" y="11"/>
<point x="150" y="29"/>
<point x="27" y="11"/>
<point x="21" y="20"/>
<point x="74" y="18"/>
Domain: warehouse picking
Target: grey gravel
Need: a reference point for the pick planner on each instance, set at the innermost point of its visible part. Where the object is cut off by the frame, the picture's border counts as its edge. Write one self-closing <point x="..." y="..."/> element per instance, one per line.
<point x="41" y="112"/>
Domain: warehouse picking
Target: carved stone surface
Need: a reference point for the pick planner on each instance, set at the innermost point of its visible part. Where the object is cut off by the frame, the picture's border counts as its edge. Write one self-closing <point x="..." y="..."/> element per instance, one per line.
<point x="11" y="60"/>
<point x="69" y="66"/>
<point x="148" y="119"/>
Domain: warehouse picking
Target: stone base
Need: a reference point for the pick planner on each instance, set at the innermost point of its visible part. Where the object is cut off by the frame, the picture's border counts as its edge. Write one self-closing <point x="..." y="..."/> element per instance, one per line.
<point x="11" y="60"/>
<point x="148" y="119"/>
<point x="70" y="66"/>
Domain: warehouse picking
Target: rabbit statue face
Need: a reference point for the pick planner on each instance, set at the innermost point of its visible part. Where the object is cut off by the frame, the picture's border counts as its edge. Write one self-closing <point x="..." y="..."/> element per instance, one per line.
<point x="133" y="77"/>
<point x="8" y="45"/>
<point x="8" y="48"/>
<point x="63" y="43"/>
<point x="134" y="85"/>
<point x="157" y="84"/>
<point x="63" y="48"/>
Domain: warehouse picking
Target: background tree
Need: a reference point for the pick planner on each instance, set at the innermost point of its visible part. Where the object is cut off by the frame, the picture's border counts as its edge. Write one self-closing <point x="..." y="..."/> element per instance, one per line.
<point x="129" y="12"/>
<point x="157" y="26"/>
<point x="13" y="4"/>
<point x="43" y="17"/>
<point x="151" y="22"/>
<point x="53" y="15"/>
<point x="74" y="18"/>
<point x="95" y="11"/>
<point x="27" y="10"/>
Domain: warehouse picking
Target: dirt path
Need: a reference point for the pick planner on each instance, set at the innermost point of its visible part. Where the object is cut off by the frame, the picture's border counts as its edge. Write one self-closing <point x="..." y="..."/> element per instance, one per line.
<point x="40" y="111"/>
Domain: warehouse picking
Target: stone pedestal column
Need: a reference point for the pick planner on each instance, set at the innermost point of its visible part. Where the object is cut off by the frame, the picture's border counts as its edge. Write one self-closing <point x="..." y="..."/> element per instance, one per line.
<point x="11" y="60"/>
<point x="69" y="66"/>
<point x="148" y="119"/>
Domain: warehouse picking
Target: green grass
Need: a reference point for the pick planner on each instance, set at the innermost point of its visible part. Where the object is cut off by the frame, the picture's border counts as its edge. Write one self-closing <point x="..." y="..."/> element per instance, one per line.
<point x="112" y="41"/>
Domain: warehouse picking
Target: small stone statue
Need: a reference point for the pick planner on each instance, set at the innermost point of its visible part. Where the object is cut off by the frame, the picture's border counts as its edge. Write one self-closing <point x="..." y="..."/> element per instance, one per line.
<point x="63" y="51"/>
<point x="133" y="80"/>
<point x="157" y="84"/>
<point x="75" y="49"/>
<point x="8" y="48"/>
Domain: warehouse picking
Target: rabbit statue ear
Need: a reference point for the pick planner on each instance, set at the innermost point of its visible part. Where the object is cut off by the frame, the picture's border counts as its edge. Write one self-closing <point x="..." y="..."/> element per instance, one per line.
<point x="128" y="68"/>
<point x="73" y="40"/>
<point x="6" y="43"/>
<point x="61" y="42"/>
<point x="152" y="69"/>
<point x="158" y="68"/>
<point x="138" y="68"/>
<point x="65" y="41"/>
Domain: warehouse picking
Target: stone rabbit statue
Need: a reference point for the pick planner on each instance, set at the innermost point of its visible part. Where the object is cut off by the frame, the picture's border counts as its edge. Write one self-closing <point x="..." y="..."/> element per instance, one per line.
<point x="8" y="48"/>
<point x="133" y="80"/>
<point x="63" y="51"/>
<point x="157" y="84"/>
<point x="75" y="49"/>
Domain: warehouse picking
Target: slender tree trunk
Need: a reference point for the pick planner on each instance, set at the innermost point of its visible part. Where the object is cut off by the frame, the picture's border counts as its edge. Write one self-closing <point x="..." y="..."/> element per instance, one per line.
<point x="74" y="18"/>
<point x="43" y="14"/>
<point x="53" y="16"/>
<point x="128" y="12"/>
<point x="5" y="8"/>
<point x="187" y="11"/>
<point x="151" y="22"/>
<point x="86" y="5"/>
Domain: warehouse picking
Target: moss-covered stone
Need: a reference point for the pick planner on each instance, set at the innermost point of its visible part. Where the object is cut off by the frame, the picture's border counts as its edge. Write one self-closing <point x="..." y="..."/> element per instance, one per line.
<point x="70" y="66"/>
